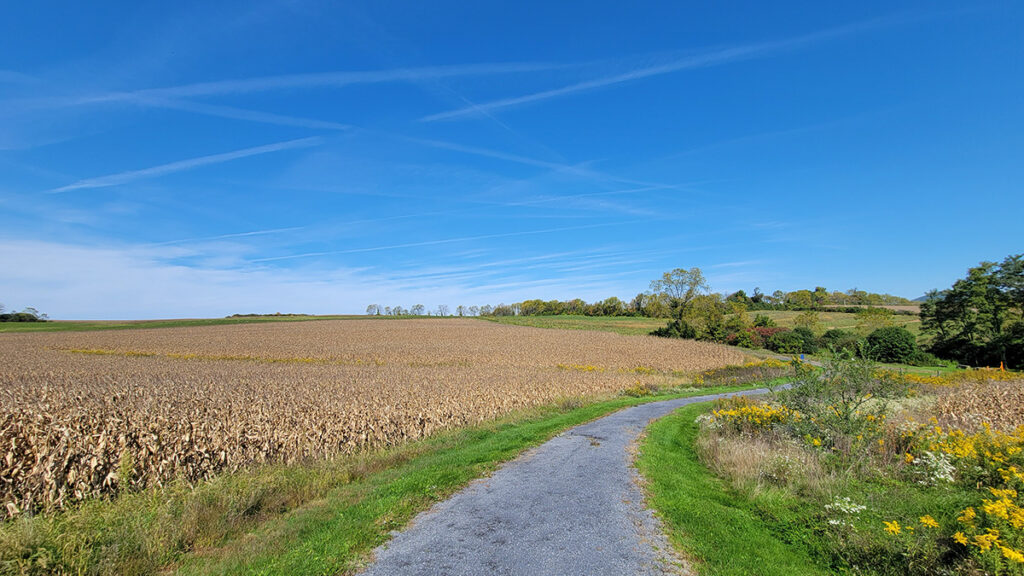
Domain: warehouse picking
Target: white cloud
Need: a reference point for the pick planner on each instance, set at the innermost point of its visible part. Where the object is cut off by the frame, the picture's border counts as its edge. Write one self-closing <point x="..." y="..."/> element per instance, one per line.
<point x="84" y="282"/>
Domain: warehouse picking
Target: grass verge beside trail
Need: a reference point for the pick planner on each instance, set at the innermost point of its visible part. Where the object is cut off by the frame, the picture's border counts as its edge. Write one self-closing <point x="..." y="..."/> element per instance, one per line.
<point x="321" y="518"/>
<point x="709" y="522"/>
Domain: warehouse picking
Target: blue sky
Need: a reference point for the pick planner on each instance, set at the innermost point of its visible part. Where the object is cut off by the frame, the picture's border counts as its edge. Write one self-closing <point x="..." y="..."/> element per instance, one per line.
<point x="204" y="158"/>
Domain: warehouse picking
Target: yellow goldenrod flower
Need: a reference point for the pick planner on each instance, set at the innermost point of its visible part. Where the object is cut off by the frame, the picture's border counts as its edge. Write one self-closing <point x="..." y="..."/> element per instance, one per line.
<point x="892" y="527"/>
<point x="985" y="541"/>
<point x="1012" y="555"/>
<point x="960" y="538"/>
<point x="967" y="516"/>
<point x="928" y="521"/>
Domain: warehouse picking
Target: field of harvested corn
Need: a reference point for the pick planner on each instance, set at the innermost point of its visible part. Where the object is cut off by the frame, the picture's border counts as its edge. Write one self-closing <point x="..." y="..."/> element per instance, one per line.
<point x="89" y="414"/>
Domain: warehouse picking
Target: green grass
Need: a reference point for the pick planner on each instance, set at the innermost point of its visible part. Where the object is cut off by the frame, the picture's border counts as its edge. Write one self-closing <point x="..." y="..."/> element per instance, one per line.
<point x="741" y="528"/>
<point x="90" y="325"/>
<point x="320" y="518"/>
<point x="641" y="325"/>
<point x="830" y="320"/>
<point x="630" y="325"/>
<point x="713" y="525"/>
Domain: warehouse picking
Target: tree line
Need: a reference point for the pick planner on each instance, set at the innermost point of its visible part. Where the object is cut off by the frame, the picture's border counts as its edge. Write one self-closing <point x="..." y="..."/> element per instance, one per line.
<point x="29" y="314"/>
<point x="665" y="297"/>
<point x="675" y="289"/>
<point x="980" y="319"/>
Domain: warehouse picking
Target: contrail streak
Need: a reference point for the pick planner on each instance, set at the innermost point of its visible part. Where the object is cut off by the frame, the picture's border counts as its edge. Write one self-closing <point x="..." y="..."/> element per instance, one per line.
<point x="182" y="165"/>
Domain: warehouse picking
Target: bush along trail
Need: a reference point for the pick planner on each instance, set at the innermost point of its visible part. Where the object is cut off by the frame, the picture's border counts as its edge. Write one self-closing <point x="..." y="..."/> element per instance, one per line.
<point x="853" y="469"/>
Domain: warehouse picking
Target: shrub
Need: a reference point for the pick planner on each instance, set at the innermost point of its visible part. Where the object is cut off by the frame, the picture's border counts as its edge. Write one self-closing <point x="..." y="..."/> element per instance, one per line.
<point x="766" y="332"/>
<point x="763" y="321"/>
<point x="676" y="329"/>
<point x="810" y="343"/>
<point x="785" y="342"/>
<point x="891" y="344"/>
<point x="841" y="341"/>
<point x="743" y="339"/>
<point x="844" y="404"/>
<point x="922" y="358"/>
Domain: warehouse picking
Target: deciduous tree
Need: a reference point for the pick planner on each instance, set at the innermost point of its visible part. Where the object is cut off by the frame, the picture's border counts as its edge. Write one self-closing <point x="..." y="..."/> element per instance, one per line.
<point x="979" y="319"/>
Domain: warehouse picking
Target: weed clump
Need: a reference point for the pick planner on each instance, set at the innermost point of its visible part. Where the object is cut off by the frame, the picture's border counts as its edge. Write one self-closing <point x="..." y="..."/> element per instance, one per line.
<point x="894" y="495"/>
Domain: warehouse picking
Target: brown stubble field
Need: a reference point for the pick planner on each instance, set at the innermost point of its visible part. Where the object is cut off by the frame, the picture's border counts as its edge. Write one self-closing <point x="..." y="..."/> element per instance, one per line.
<point x="84" y="414"/>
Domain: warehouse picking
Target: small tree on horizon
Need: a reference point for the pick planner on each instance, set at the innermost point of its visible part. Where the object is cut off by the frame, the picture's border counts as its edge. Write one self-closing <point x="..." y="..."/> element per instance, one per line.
<point x="808" y="319"/>
<point x="679" y="287"/>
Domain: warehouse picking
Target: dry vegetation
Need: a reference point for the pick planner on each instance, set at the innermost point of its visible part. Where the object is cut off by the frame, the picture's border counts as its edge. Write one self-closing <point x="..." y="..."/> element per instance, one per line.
<point x="896" y="473"/>
<point x="94" y="413"/>
<point x="970" y="406"/>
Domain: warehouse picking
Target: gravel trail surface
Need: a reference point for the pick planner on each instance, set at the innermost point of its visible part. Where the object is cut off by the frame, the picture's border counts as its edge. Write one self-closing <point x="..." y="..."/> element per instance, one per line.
<point x="570" y="506"/>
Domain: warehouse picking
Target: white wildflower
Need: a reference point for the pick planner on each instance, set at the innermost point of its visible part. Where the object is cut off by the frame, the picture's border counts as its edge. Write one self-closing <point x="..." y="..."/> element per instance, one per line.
<point x="936" y="468"/>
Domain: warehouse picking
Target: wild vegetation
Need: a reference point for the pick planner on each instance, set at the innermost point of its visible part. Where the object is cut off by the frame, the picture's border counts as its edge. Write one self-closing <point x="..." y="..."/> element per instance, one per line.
<point x="977" y="322"/>
<point x="875" y="333"/>
<point x="91" y="414"/>
<point x="27" y="315"/>
<point x="879" y="472"/>
<point x="980" y="319"/>
<point x="663" y="299"/>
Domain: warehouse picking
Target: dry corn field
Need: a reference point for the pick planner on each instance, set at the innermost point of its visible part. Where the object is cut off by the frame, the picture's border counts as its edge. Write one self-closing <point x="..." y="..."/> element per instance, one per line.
<point x="971" y="406"/>
<point x="92" y="413"/>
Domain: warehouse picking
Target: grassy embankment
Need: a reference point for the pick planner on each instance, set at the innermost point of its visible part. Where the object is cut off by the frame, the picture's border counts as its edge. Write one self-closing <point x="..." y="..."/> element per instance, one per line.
<point x="841" y="320"/>
<point x="886" y="498"/>
<point x="641" y="325"/>
<point x="322" y="517"/>
<point x="716" y="527"/>
<point x="638" y="325"/>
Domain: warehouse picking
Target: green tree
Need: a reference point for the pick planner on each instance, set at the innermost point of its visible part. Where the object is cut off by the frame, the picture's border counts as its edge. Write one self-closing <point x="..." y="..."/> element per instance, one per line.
<point x="757" y="297"/>
<point x="680" y="286"/>
<point x="871" y="319"/>
<point x="575" y="306"/>
<point x="979" y="319"/>
<point x="808" y="320"/>
<point x="636" y="305"/>
<point x="738" y="296"/>
<point x="891" y="344"/>
<point x="611" y="307"/>
<point x="706" y="313"/>
<point x="820" y="296"/>
<point x="800" y="299"/>
<point x="738" y="318"/>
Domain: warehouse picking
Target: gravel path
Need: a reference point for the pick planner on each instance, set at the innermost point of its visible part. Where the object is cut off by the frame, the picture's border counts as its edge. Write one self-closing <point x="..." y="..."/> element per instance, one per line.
<point x="570" y="506"/>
